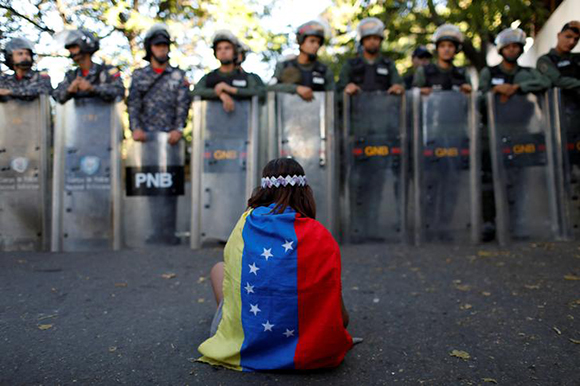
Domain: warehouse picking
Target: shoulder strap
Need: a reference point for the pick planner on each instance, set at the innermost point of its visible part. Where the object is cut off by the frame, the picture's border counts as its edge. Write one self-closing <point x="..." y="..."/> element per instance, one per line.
<point x="144" y="93"/>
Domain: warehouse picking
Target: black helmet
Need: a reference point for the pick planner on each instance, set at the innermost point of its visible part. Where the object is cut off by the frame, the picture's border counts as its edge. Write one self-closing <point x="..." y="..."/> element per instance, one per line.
<point x="87" y="41"/>
<point x="16" y="44"/>
<point x="311" y="28"/>
<point x="158" y="34"/>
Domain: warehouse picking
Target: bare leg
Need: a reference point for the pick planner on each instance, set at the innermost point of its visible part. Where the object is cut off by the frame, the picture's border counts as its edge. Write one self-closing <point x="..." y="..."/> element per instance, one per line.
<point x="217" y="280"/>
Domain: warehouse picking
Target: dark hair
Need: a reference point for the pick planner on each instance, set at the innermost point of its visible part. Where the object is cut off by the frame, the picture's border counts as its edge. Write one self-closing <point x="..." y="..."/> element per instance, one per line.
<point x="299" y="198"/>
<point x="572" y="26"/>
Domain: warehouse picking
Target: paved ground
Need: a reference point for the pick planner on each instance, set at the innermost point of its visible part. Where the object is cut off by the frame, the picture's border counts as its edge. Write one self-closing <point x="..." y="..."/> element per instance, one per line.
<point x="136" y="317"/>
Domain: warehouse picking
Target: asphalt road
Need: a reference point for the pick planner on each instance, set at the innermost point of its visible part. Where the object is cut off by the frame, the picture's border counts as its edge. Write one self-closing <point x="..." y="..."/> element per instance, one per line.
<point x="512" y="315"/>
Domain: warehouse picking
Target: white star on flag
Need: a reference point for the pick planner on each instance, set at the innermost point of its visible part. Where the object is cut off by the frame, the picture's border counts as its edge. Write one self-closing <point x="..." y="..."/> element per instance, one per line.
<point x="267" y="326"/>
<point x="288" y="333"/>
<point x="267" y="253"/>
<point x="253" y="269"/>
<point x="249" y="288"/>
<point x="254" y="309"/>
<point x="288" y="245"/>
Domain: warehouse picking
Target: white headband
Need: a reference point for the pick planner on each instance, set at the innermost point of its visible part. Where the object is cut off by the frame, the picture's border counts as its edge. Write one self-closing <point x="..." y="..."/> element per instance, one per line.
<point x="268" y="182"/>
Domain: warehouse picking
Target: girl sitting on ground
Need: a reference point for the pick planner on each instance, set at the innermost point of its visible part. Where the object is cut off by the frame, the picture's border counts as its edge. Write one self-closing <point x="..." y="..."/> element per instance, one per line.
<point x="279" y="288"/>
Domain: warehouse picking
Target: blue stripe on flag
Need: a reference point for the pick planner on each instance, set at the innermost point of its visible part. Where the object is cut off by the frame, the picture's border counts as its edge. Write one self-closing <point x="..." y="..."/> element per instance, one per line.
<point x="270" y="295"/>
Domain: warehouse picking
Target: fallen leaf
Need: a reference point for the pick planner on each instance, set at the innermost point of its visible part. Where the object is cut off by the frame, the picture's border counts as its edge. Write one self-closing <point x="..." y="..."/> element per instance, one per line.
<point x="557" y="330"/>
<point x="21" y="261"/>
<point x="484" y="253"/>
<point x="463" y="287"/>
<point x="460" y="354"/>
<point x="44" y="326"/>
<point x="168" y="275"/>
<point x="490" y="380"/>
<point x="112" y="348"/>
<point x="485" y="293"/>
<point x="120" y="284"/>
<point x="575" y="341"/>
<point x="532" y="286"/>
<point x="201" y="279"/>
<point x="571" y="277"/>
<point x="47" y="316"/>
<point x="465" y="306"/>
<point x="200" y="300"/>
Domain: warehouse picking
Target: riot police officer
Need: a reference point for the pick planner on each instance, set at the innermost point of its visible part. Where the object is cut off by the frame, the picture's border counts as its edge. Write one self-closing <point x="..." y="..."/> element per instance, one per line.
<point x="560" y="64"/>
<point x="229" y="81"/>
<point x="420" y="57"/>
<point x="443" y="75"/>
<point x="26" y="83"/>
<point x="304" y="74"/>
<point x="159" y="97"/>
<point x="89" y="79"/>
<point x="370" y="71"/>
<point x="508" y="77"/>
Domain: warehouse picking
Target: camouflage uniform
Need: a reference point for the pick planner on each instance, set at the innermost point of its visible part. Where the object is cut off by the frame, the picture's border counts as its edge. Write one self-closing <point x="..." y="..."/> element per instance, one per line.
<point x="28" y="88"/>
<point x="105" y="79"/>
<point x="158" y="102"/>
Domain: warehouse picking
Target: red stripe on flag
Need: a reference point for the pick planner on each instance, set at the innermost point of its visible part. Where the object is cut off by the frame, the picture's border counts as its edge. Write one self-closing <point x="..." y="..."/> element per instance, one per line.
<point x="464" y="151"/>
<point x="396" y="150"/>
<point x="542" y="147"/>
<point x="427" y="153"/>
<point x="507" y="150"/>
<point x="570" y="146"/>
<point x="322" y="339"/>
<point x="357" y="151"/>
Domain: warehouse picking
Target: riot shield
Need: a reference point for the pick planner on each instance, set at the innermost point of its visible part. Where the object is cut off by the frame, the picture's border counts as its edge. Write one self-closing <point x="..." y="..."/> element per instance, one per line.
<point x="224" y="166"/>
<point x="523" y="168"/>
<point x="154" y="179"/>
<point x="86" y="184"/>
<point x="305" y="131"/>
<point x="376" y="163"/>
<point x="24" y="173"/>
<point x="446" y="154"/>
<point x="565" y="119"/>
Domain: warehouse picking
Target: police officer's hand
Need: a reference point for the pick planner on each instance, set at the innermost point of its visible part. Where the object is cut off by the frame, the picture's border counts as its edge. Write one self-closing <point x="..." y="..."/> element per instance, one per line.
<point x="139" y="135"/>
<point x="305" y="93"/>
<point x="351" y="89"/>
<point x="396" y="89"/>
<point x="220" y="88"/>
<point x="85" y="85"/>
<point x="506" y="89"/>
<point x="426" y="90"/>
<point x="465" y="88"/>
<point x="73" y="88"/>
<point x="174" y="137"/>
<point x="5" y="92"/>
<point x="227" y="102"/>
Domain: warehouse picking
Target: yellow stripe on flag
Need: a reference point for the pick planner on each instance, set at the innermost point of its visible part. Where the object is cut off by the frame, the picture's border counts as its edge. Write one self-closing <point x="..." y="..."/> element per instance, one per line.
<point x="224" y="347"/>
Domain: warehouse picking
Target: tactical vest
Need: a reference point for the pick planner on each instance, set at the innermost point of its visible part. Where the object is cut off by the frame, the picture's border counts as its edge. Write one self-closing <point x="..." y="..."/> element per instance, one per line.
<point x="444" y="80"/>
<point x="499" y="77"/>
<point x="310" y="78"/>
<point x="236" y="78"/>
<point x="569" y="67"/>
<point x="370" y="77"/>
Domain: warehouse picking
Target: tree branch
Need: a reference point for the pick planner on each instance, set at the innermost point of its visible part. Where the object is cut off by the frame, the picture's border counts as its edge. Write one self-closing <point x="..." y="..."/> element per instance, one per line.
<point x="18" y="14"/>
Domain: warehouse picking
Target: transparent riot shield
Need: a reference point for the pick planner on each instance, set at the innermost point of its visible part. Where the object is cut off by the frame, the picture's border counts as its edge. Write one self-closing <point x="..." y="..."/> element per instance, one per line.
<point x="376" y="165"/>
<point x="523" y="166"/>
<point x="565" y="118"/>
<point x="154" y="179"/>
<point x="24" y="173"/>
<point x="305" y="131"/>
<point x="86" y="184"/>
<point x="446" y="153"/>
<point x="224" y="166"/>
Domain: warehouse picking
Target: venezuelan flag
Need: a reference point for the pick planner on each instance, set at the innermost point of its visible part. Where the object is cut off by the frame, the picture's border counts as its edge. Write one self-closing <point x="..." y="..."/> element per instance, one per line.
<point x="282" y="296"/>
